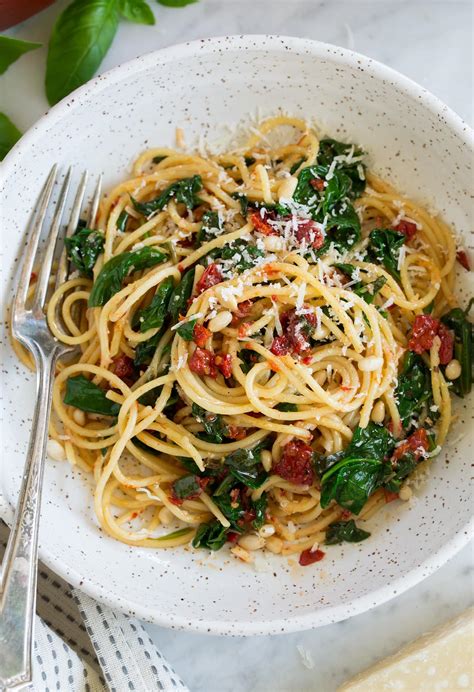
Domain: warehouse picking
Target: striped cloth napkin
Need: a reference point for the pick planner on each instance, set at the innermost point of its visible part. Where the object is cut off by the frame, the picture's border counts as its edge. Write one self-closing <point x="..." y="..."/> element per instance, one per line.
<point x="82" y="646"/>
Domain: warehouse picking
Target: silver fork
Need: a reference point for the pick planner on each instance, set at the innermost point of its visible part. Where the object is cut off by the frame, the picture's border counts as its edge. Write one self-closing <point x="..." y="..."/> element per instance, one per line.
<point x="19" y="569"/>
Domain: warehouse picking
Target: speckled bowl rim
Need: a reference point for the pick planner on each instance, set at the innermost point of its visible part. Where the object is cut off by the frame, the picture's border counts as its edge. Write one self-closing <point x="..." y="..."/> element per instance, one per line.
<point x="264" y="43"/>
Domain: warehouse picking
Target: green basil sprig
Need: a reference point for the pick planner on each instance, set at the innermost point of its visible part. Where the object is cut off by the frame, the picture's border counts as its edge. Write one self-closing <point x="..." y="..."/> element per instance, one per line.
<point x="13" y="48"/>
<point x="9" y="135"/>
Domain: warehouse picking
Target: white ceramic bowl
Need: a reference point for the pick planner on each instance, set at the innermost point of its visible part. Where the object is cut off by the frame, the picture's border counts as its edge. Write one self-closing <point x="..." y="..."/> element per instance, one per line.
<point x="414" y="141"/>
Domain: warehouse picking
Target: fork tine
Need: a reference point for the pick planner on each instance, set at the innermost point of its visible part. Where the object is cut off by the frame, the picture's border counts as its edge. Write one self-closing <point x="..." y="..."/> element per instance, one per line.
<point x="62" y="272"/>
<point x="95" y="204"/>
<point x="47" y="259"/>
<point x="34" y="233"/>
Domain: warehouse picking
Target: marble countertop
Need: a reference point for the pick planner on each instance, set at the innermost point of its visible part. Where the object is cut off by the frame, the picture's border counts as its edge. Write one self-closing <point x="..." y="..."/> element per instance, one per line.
<point x="431" y="42"/>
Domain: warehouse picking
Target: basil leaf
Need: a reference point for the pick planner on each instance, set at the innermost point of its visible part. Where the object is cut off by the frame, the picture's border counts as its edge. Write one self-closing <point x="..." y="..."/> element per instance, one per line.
<point x="213" y="423"/>
<point x="186" y="486"/>
<point x="347" y="531"/>
<point x="80" y="39"/>
<point x="186" y="330"/>
<point x="137" y="11"/>
<point x="178" y="304"/>
<point x="384" y="248"/>
<point x="13" y="48"/>
<point x="9" y="135"/>
<point x="414" y="387"/>
<point x="176" y="3"/>
<point x="153" y="316"/>
<point x="113" y="273"/>
<point x="83" y="249"/>
<point x="463" y="329"/>
<point x="184" y="191"/>
<point x="211" y="535"/>
<point x="87" y="396"/>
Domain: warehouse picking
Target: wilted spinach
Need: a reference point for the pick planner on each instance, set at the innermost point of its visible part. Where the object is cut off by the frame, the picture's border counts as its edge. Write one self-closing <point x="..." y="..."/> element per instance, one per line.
<point x="154" y="315"/>
<point x="184" y="191"/>
<point x="463" y="329"/>
<point x="211" y="535"/>
<point x="213" y="423"/>
<point x="345" y="531"/>
<point x="87" y="396"/>
<point x="384" y="248"/>
<point x="414" y="387"/>
<point x="83" y="249"/>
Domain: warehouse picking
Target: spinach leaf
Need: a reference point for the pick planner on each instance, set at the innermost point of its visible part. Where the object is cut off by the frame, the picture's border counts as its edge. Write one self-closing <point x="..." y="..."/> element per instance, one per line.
<point x="370" y="290"/>
<point x="384" y="248"/>
<point x="337" y="189"/>
<point x="463" y="329"/>
<point x="329" y="148"/>
<point x="176" y="3"/>
<point x="323" y="463"/>
<point x="347" y="269"/>
<point x="296" y="165"/>
<point x="414" y="387"/>
<point x="137" y="11"/>
<point x="178" y="303"/>
<point x="259" y="507"/>
<point x="113" y="273"/>
<point x="184" y="191"/>
<point x="354" y="477"/>
<point x="248" y="358"/>
<point x="343" y="229"/>
<point x="305" y="193"/>
<point x="347" y="531"/>
<point x="153" y="316"/>
<point x="286" y="406"/>
<point x="122" y="221"/>
<point x="83" y="249"/>
<point x="158" y="159"/>
<point x="244" y="464"/>
<point x="213" y="423"/>
<point x="186" y="330"/>
<point x="9" y="135"/>
<point x="87" y="396"/>
<point x="395" y="475"/>
<point x="186" y="487"/>
<point x="145" y="350"/>
<point x="243" y="255"/>
<point x="150" y="397"/>
<point x="210" y="222"/>
<point x="243" y="200"/>
<point x="211" y="535"/>
<point x="233" y="510"/>
<point x="80" y="39"/>
<point x="13" y="48"/>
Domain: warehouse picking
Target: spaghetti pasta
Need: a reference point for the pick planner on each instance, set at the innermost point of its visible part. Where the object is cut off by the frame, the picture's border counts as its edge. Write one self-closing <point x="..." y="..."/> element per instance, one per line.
<point x="262" y="339"/>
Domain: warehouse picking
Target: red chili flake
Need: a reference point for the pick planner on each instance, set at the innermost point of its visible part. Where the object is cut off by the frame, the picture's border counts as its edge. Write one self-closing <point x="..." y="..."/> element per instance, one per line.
<point x="463" y="259"/>
<point x="134" y="515"/>
<point x="308" y="557"/>
<point x="232" y="536"/>
<point x="418" y="443"/>
<point x="243" y="329"/>
<point x="408" y="228"/>
<point x="236" y="433"/>
<point x="123" y="366"/>
<point x="346" y="514"/>
<point x="211" y="276"/>
<point x="307" y="360"/>
<point x="296" y="463"/>
<point x="224" y="363"/>
<point x="446" y="348"/>
<point x="424" y="330"/>
<point x="33" y="277"/>
<point x="317" y="184"/>
<point x="310" y="232"/>
<point x="280" y="345"/>
<point x="243" y="310"/>
<point x="389" y="496"/>
<point x="180" y="267"/>
<point x="202" y="362"/>
<point x="260" y="222"/>
<point x="201" y="335"/>
<point x="273" y="366"/>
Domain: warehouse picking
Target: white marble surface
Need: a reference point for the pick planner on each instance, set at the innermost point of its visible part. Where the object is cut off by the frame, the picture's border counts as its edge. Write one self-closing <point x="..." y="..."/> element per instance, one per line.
<point x="430" y="41"/>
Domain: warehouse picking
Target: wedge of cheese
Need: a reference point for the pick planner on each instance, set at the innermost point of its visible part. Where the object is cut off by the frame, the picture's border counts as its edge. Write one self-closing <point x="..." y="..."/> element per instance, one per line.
<point x="439" y="660"/>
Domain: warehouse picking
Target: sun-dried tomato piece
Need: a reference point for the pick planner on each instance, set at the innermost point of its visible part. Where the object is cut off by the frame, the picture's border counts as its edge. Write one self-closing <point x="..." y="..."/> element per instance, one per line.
<point x="242" y="311"/>
<point x="408" y="228"/>
<point x="309" y="557"/>
<point x="202" y="362"/>
<point x="224" y="363"/>
<point x="463" y="259"/>
<point x="260" y="221"/>
<point x="236" y="433"/>
<point x="298" y="328"/>
<point x="389" y="496"/>
<point x="424" y="330"/>
<point x="310" y="232"/>
<point x="280" y="346"/>
<point x="123" y="366"/>
<point x="296" y="463"/>
<point x="418" y="443"/>
<point x="201" y="335"/>
<point x="211" y="276"/>
<point x="317" y="184"/>
<point x="446" y="348"/>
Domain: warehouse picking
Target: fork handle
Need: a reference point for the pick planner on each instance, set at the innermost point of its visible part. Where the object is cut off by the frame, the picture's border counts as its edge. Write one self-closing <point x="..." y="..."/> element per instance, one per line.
<point x="19" y="569"/>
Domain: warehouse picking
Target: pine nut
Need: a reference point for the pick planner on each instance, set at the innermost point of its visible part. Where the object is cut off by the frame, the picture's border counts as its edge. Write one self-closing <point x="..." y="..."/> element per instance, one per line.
<point x="453" y="369"/>
<point x="378" y="412"/>
<point x="251" y="542"/>
<point x="266" y="531"/>
<point x="55" y="450"/>
<point x="287" y="188"/>
<point x="79" y="416"/>
<point x="274" y="544"/>
<point x="226" y="299"/>
<point x="266" y="459"/>
<point x="220" y="321"/>
<point x="241" y="554"/>
<point x="370" y="363"/>
<point x="165" y="516"/>
<point x="405" y="493"/>
<point x="320" y="333"/>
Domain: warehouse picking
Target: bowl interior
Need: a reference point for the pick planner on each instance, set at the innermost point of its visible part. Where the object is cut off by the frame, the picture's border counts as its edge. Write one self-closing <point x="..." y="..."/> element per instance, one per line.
<point x="207" y="88"/>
